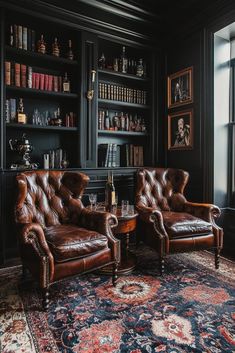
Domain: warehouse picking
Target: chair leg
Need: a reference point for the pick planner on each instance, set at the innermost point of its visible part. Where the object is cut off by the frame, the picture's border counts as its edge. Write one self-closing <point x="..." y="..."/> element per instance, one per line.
<point x="161" y="265"/>
<point x="45" y="298"/>
<point x="115" y="276"/>
<point x="217" y="258"/>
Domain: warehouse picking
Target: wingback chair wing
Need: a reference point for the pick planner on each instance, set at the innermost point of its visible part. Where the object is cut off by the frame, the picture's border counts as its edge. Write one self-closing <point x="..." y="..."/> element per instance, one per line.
<point x="58" y="236"/>
<point x="168" y="222"/>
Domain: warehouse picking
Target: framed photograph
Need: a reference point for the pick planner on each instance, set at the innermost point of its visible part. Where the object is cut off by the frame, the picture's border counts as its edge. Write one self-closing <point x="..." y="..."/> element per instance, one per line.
<point x="180" y="88"/>
<point x="180" y="130"/>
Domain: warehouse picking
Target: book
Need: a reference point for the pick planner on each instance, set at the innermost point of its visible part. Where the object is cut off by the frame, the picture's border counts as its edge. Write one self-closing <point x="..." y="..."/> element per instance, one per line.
<point x="20" y="37"/>
<point x="50" y="80"/>
<point x="33" y="39"/>
<point x="37" y="80"/>
<point x="55" y="83"/>
<point x="17" y="74"/>
<point x="7" y="72"/>
<point x="33" y="79"/>
<point x="7" y="111"/>
<point x="29" y="39"/>
<point x="103" y="154"/>
<point x="24" y="38"/>
<point x="12" y="74"/>
<point x="15" y="31"/>
<point x="23" y="69"/>
<point x="46" y="78"/>
<point x="41" y="81"/>
<point x="12" y="110"/>
<point x="30" y="77"/>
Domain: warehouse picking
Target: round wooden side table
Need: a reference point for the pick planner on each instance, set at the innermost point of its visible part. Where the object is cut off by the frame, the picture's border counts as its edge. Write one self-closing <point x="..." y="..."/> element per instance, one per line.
<point x="126" y="225"/>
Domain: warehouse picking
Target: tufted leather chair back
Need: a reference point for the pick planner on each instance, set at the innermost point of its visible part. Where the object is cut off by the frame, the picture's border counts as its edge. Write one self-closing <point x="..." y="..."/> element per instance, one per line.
<point x="161" y="188"/>
<point x="44" y="196"/>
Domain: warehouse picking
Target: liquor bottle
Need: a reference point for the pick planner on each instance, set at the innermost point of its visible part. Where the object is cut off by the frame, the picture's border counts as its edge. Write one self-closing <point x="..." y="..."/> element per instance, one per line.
<point x="127" y="122"/>
<point x="55" y="48"/>
<point x="115" y="64"/>
<point x="122" y="122"/>
<point x="66" y="83"/>
<point x="106" y="121"/>
<point x="116" y="122"/>
<point x="41" y="45"/>
<point x="140" y="68"/>
<point x="21" y="116"/>
<point x="70" y="51"/>
<point x="101" y="62"/>
<point x="109" y="193"/>
<point x="123" y="61"/>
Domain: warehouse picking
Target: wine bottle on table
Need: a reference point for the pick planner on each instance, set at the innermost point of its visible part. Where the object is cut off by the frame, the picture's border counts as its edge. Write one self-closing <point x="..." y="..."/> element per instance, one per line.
<point x="109" y="193"/>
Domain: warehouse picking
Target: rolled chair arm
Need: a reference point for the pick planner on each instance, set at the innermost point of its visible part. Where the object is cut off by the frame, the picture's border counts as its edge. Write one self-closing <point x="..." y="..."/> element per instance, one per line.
<point x="32" y="235"/>
<point x="101" y="222"/>
<point x="206" y="211"/>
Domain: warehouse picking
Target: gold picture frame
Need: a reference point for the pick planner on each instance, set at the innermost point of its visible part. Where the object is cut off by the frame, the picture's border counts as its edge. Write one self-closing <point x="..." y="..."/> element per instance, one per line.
<point x="180" y="88"/>
<point x="180" y="130"/>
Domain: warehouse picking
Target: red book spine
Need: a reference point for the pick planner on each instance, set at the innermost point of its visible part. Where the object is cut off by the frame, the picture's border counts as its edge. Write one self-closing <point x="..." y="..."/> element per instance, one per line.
<point x="42" y="80"/>
<point x="7" y="72"/>
<point x="17" y="75"/>
<point x="23" y="69"/>
<point x="37" y="80"/>
<point x="46" y="82"/>
<point x="50" y="78"/>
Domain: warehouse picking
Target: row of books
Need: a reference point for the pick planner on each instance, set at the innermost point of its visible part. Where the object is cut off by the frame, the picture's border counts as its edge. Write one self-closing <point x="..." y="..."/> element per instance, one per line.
<point x="53" y="158"/>
<point x="122" y="93"/>
<point x="22" y="37"/>
<point x="112" y="155"/>
<point x="21" y="75"/>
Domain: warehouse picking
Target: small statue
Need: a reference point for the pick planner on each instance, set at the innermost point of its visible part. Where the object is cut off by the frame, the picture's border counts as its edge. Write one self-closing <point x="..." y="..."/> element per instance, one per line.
<point x="41" y="45"/>
<point x="70" y="55"/>
<point x="55" y="48"/>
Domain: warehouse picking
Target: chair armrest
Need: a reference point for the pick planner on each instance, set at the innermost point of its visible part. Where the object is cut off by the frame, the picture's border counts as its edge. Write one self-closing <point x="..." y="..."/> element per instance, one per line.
<point x="206" y="211"/>
<point x="101" y="222"/>
<point x="32" y="238"/>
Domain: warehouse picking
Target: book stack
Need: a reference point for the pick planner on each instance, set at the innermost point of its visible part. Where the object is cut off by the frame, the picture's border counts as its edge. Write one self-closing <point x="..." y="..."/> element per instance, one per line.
<point x="22" y="37"/>
<point x="54" y="159"/>
<point x="10" y="116"/>
<point x="20" y="75"/>
<point x="132" y="155"/>
<point x="109" y="155"/>
<point x="122" y="93"/>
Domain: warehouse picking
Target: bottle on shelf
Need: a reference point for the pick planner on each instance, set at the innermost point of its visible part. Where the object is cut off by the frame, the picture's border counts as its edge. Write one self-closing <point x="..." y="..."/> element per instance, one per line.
<point x="55" y="48"/>
<point x="123" y="61"/>
<point x="110" y="198"/>
<point x="21" y="116"/>
<point x="115" y="64"/>
<point x="66" y="83"/>
<point x="122" y="122"/>
<point x="41" y="45"/>
<point x="101" y="62"/>
<point x="106" y="121"/>
<point x="127" y="122"/>
<point x="116" y="122"/>
<point x="140" y="68"/>
<point x="70" y="55"/>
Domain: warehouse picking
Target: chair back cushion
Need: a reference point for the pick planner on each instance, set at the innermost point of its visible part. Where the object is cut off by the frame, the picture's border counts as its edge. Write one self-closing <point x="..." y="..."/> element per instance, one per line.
<point x="161" y="188"/>
<point x="43" y="196"/>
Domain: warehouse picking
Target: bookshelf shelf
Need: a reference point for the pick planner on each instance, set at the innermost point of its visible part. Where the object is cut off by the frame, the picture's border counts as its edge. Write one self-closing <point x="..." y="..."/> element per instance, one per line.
<point x="34" y="92"/>
<point x="122" y="133"/>
<point x="120" y="74"/>
<point x="21" y="53"/>
<point x="40" y="127"/>
<point x="107" y="102"/>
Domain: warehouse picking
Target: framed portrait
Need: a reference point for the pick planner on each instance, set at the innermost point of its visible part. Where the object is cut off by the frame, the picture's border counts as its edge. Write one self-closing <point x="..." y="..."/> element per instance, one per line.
<point x="180" y="88"/>
<point x="180" y="130"/>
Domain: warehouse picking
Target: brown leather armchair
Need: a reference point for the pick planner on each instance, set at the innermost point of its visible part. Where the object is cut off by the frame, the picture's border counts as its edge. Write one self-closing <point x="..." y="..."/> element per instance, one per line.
<point x="58" y="236"/>
<point x="168" y="222"/>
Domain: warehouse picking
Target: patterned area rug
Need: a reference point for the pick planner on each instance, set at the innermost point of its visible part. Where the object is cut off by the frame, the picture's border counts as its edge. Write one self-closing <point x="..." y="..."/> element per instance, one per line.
<point x="190" y="309"/>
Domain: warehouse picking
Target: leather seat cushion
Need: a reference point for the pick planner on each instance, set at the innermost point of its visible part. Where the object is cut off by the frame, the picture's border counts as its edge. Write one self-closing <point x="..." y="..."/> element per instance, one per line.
<point x="68" y="242"/>
<point x="180" y="224"/>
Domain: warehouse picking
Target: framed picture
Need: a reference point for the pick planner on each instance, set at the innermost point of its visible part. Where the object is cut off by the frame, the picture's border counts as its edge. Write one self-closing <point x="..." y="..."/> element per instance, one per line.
<point x="180" y="88"/>
<point x="180" y="130"/>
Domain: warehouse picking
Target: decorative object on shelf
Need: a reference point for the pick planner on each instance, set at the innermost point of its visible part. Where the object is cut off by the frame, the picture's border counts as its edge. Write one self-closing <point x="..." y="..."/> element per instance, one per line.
<point x="41" y="45"/>
<point x="180" y="88"/>
<point x="24" y="148"/>
<point x="140" y="68"/>
<point x="180" y="130"/>
<point x="55" y="48"/>
<point x="123" y="61"/>
<point x="46" y="161"/>
<point x="21" y="116"/>
<point x="57" y="120"/>
<point x="91" y="85"/>
<point x="70" y="54"/>
<point x="101" y="62"/>
<point x="66" y="83"/>
<point x="64" y="162"/>
<point x="115" y="64"/>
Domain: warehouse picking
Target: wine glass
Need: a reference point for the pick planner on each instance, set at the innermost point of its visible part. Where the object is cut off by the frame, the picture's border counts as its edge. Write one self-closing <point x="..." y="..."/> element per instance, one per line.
<point x="92" y="199"/>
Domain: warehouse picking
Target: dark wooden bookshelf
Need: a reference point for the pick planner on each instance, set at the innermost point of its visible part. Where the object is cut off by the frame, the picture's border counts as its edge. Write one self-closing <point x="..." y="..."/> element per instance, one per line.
<point x="41" y="127"/>
<point x="47" y="58"/>
<point x="123" y="75"/>
<point x="122" y="133"/>
<point x="34" y="92"/>
<point x="107" y="102"/>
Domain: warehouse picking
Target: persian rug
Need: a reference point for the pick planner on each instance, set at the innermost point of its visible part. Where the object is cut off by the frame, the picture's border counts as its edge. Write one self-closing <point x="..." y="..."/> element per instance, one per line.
<point x="190" y="309"/>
